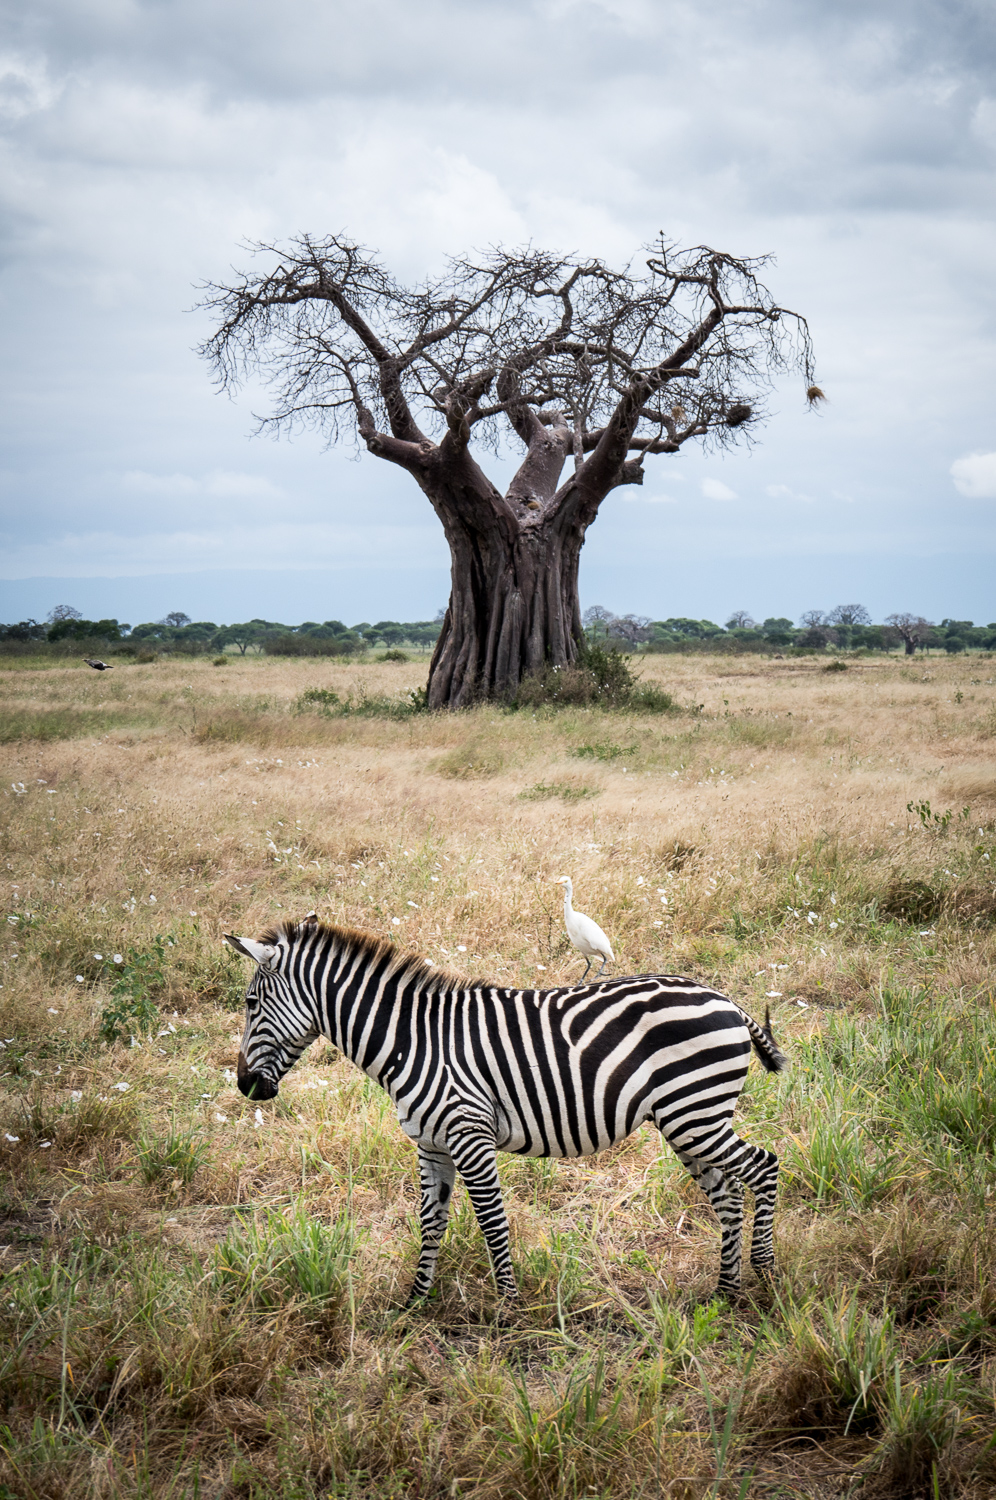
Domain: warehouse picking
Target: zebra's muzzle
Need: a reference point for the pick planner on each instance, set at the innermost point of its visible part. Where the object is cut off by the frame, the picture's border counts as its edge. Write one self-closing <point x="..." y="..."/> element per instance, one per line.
<point x="254" y="1085"/>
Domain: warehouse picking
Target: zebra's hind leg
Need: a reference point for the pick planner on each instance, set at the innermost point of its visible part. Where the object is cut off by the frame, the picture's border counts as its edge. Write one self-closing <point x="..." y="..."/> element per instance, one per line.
<point x="437" y="1173"/>
<point x="761" y="1176"/>
<point x="727" y="1199"/>
<point x="723" y="1166"/>
<point x="475" y="1157"/>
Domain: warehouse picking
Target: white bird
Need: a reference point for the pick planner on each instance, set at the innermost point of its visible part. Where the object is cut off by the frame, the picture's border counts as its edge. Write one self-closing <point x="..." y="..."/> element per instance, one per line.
<point x="585" y="934"/>
<point x="98" y="666"/>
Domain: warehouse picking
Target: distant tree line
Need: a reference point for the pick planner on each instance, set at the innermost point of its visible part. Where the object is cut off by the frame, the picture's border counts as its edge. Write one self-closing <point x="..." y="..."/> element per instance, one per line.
<point x="848" y="627"/>
<point x="176" y="632"/>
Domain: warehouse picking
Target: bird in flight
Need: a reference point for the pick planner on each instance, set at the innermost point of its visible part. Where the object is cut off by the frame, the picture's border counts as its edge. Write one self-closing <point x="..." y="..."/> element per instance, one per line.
<point x="585" y="934"/>
<point x="98" y="666"/>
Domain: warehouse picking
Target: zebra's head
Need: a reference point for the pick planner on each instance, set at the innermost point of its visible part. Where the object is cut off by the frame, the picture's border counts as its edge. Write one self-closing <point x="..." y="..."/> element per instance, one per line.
<point x="279" y="1023"/>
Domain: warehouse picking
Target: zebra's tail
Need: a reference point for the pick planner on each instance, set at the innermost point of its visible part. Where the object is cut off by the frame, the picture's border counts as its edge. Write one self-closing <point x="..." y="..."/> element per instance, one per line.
<point x="765" y="1045"/>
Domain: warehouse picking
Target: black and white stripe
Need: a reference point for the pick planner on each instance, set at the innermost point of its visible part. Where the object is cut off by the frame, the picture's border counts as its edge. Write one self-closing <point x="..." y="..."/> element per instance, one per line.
<point x="474" y="1069"/>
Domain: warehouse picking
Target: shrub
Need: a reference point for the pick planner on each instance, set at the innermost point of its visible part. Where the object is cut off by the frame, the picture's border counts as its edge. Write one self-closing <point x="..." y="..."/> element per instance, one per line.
<point x="179" y="1155"/>
<point x="280" y="1260"/>
<point x="567" y="791"/>
<point x="910" y="901"/>
<point x="359" y="703"/>
<point x="604" y="751"/>
<point x="600" y="677"/>
<point x="312" y="645"/>
<point x="132" y="1006"/>
<point x="470" y="760"/>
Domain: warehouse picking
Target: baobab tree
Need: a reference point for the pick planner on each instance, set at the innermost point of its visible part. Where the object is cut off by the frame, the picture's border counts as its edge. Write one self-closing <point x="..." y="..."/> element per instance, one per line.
<point x="913" y="630"/>
<point x="585" y="367"/>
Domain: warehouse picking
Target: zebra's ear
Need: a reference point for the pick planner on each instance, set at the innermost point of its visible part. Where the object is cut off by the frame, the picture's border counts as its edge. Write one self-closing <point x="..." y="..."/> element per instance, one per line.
<point x="260" y="953"/>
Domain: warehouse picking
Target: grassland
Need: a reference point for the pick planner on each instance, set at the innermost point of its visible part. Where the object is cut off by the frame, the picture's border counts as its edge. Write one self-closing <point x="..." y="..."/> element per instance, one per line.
<point x="202" y="1300"/>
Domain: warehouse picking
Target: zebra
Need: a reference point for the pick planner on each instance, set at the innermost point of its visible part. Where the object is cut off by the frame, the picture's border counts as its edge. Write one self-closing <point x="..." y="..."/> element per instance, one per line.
<point x="475" y="1068"/>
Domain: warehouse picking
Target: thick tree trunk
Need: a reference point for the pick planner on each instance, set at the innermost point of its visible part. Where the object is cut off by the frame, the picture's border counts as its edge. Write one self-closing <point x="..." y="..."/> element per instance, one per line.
<point x="513" y="605"/>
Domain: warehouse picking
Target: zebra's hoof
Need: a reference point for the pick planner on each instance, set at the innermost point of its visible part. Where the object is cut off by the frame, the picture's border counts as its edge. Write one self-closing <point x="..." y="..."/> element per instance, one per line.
<point x="417" y="1300"/>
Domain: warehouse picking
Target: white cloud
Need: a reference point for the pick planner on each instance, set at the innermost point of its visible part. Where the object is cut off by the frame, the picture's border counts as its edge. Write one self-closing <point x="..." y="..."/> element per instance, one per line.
<point x="636" y="496"/>
<point x="25" y="87"/>
<point x="306" y="548"/>
<point x="975" y="476"/>
<point x="715" y="489"/>
<point x="219" y="482"/>
<point x="784" y="492"/>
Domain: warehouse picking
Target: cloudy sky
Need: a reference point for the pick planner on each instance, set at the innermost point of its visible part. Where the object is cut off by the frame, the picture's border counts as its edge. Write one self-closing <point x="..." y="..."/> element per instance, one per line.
<point x="145" y="141"/>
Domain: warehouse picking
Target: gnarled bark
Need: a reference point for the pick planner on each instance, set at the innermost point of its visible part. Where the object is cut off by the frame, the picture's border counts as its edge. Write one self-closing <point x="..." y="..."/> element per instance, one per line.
<point x="513" y="605"/>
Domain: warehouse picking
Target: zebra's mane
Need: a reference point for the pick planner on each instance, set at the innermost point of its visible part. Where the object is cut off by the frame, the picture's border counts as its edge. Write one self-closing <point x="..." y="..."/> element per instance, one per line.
<point x="408" y="965"/>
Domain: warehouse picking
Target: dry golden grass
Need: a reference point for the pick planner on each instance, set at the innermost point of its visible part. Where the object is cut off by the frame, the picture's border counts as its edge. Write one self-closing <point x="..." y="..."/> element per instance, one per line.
<point x="759" y="838"/>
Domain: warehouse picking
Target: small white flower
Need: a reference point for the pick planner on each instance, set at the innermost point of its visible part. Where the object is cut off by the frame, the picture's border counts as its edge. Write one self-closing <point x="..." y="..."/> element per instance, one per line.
<point x="76" y="1095"/>
<point x="412" y="903"/>
<point x="121" y="1087"/>
<point x="802" y="1004"/>
<point x="813" y="917"/>
<point x="222" y="1119"/>
<point x="773" y="995"/>
<point x="152" y="900"/>
<point x="118" y="959"/>
<point x="44" y="1145"/>
<point x="663" y="901"/>
<point x="461" y="948"/>
<point x="12" y="1138"/>
<point x="98" y="957"/>
<point x="258" y="1120"/>
<point x="52" y="1011"/>
<point x="79" y="979"/>
<point x="541" y="966"/>
<point x="834" y="925"/>
<point x="396" y="921"/>
<point x="640" y="880"/>
<point x="137" y="1044"/>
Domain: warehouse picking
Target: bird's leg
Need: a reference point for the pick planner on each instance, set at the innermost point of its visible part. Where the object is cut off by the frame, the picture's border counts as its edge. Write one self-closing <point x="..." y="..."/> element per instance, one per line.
<point x="601" y="970"/>
<point x="584" y="976"/>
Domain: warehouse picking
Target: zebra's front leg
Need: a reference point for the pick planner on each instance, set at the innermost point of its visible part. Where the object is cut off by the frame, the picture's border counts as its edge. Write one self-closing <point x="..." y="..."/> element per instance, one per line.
<point x="478" y="1166"/>
<point x="437" y="1173"/>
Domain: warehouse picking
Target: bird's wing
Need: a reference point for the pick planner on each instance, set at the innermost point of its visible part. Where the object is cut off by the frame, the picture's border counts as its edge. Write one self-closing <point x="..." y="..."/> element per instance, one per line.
<point x="589" y="937"/>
